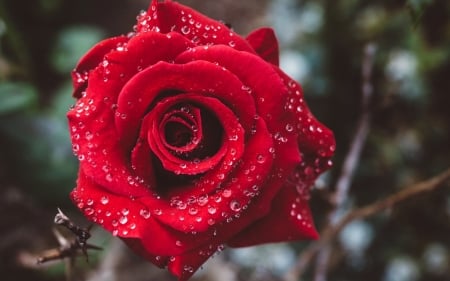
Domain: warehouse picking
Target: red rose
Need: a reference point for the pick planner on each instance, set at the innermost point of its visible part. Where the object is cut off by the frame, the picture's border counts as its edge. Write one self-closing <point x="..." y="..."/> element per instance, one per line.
<point x="190" y="137"/>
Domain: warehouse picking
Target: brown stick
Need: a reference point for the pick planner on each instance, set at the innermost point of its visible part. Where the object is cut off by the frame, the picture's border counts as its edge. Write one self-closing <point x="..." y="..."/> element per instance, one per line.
<point x="351" y="161"/>
<point x="329" y="233"/>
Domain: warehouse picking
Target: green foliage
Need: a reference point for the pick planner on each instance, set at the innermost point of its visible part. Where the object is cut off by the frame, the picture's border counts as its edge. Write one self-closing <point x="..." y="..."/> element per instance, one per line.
<point x="71" y="44"/>
<point x="16" y="96"/>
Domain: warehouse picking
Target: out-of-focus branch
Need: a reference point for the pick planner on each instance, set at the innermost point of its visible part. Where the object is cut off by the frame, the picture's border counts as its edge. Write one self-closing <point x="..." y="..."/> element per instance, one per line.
<point x="351" y="160"/>
<point x="69" y="248"/>
<point x="329" y="234"/>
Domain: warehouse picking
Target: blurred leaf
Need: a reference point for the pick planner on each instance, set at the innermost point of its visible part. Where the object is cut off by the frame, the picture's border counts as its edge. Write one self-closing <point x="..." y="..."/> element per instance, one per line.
<point x="61" y="102"/>
<point x="417" y="8"/>
<point x="16" y="96"/>
<point x="39" y="155"/>
<point x="71" y="44"/>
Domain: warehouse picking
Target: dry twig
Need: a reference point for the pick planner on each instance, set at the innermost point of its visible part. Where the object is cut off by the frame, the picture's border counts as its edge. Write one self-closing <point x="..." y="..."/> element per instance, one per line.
<point x="329" y="233"/>
<point x="351" y="161"/>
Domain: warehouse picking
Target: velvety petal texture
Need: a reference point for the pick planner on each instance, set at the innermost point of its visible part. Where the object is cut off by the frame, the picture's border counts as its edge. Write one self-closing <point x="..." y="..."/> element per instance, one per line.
<point x="191" y="138"/>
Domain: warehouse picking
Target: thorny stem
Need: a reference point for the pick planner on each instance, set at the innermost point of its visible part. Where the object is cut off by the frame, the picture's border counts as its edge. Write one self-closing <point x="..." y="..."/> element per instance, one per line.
<point x="352" y="159"/>
<point x="330" y="232"/>
<point x="69" y="248"/>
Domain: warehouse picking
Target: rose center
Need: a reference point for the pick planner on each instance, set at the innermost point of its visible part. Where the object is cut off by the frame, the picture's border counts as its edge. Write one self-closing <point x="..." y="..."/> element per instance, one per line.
<point x="177" y="134"/>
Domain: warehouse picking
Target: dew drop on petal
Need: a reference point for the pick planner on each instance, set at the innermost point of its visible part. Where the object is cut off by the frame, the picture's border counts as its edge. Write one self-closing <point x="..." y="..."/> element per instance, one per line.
<point x="235" y="206"/>
<point x="260" y="158"/>
<point x="185" y="30"/>
<point x="109" y="178"/>
<point x="289" y="127"/>
<point x="123" y="220"/>
<point x="193" y="211"/>
<point x="104" y="200"/>
<point x="89" y="211"/>
<point x="144" y="213"/>
<point x="212" y="210"/>
<point x="226" y="193"/>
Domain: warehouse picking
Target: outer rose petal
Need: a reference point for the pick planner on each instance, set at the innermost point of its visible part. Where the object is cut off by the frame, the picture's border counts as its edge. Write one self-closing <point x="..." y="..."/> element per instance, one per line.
<point x="170" y="16"/>
<point x="289" y="219"/>
<point x="132" y="219"/>
<point x="89" y="61"/>
<point x="265" y="43"/>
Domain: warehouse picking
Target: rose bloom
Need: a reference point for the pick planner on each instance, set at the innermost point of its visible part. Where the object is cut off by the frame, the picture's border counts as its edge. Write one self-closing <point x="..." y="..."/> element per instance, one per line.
<point x="190" y="138"/>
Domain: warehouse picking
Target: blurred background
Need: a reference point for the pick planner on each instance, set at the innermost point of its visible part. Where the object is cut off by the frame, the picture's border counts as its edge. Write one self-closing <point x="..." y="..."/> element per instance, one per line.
<point x="322" y="46"/>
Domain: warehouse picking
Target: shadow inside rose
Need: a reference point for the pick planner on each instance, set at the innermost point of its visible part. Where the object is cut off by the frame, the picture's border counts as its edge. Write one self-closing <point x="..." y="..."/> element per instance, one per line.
<point x="191" y="133"/>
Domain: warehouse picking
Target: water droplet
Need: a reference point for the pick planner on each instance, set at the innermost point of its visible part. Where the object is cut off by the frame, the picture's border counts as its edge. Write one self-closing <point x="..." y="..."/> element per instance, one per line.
<point x="88" y="211"/>
<point x="109" y="178"/>
<point x="188" y="268"/>
<point x="145" y="213"/>
<point x="104" y="200"/>
<point x="212" y="210"/>
<point x="260" y="158"/>
<point x="289" y="127"/>
<point x="235" y="206"/>
<point x="185" y="30"/>
<point x="193" y="211"/>
<point x="157" y="212"/>
<point x="202" y="200"/>
<point x="226" y="193"/>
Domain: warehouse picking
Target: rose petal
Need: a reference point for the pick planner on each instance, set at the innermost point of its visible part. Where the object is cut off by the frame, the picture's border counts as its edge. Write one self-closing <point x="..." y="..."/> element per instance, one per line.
<point x="170" y="16"/>
<point x="265" y="43"/>
<point x="197" y="77"/>
<point x="127" y="217"/>
<point x="107" y="163"/>
<point x="296" y="222"/>
<point x="181" y="166"/>
<point x="268" y="89"/>
<point x="184" y="266"/>
<point x="313" y="136"/>
<point x="234" y="195"/>
<point x="91" y="60"/>
<point x="95" y="140"/>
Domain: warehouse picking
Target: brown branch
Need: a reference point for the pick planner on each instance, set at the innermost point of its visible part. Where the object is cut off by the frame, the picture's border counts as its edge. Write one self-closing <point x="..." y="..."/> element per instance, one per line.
<point x="351" y="161"/>
<point x="330" y="233"/>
